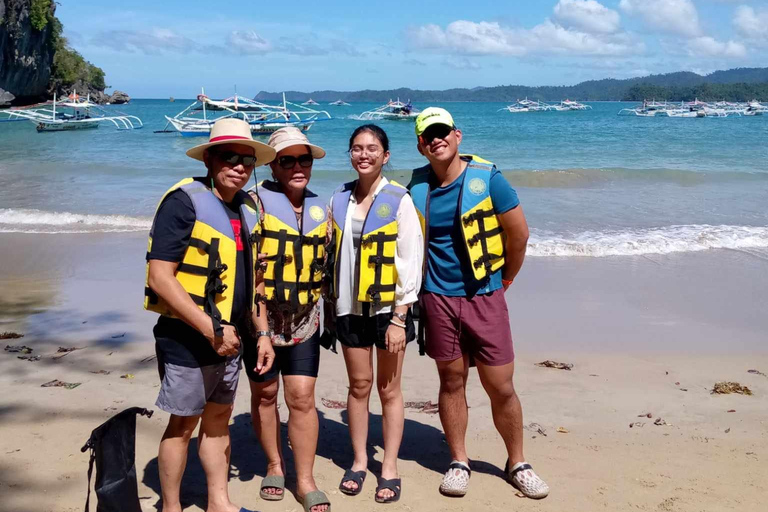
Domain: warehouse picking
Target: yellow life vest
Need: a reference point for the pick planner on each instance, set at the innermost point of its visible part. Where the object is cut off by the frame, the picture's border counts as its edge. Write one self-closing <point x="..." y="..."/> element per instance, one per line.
<point x="377" y="276"/>
<point x="208" y="269"/>
<point x="296" y="253"/>
<point x="482" y="233"/>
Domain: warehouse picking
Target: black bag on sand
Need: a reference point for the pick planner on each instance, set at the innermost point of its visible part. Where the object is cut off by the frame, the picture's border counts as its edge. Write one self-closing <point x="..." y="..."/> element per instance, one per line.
<point x="113" y="449"/>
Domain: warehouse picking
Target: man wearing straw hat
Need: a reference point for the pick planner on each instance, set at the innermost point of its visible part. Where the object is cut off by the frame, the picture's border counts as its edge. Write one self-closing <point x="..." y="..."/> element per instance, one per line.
<point x="200" y="278"/>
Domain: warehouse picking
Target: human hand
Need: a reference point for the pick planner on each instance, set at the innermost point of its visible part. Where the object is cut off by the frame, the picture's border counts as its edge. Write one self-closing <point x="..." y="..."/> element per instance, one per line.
<point x="229" y="343"/>
<point x="395" y="338"/>
<point x="261" y="262"/>
<point x="266" y="355"/>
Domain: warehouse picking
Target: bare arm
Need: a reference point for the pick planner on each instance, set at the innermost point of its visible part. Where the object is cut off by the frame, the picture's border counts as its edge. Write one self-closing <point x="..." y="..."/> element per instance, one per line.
<point x="266" y="353"/>
<point x="162" y="280"/>
<point x="515" y="241"/>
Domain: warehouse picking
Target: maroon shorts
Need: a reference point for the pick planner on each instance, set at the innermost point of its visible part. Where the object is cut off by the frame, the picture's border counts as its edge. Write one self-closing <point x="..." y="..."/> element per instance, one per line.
<point x="478" y="326"/>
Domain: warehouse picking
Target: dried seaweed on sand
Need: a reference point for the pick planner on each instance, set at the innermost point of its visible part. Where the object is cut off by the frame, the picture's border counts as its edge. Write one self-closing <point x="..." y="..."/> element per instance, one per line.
<point x="726" y="388"/>
<point x="333" y="404"/>
<point x="426" y="407"/>
<point x="18" y="348"/>
<point x="555" y="365"/>
<point x="56" y="383"/>
<point x="9" y="335"/>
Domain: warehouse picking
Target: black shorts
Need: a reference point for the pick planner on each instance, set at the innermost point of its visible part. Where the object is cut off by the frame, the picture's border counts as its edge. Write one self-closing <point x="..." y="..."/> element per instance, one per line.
<point x="365" y="331"/>
<point x="301" y="359"/>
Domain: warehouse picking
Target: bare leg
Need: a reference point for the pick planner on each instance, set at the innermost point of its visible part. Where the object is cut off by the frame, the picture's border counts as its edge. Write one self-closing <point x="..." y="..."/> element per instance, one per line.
<point x="388" y="377"/>
<point x="303" y="431"/>
<point x="172" y="458"/>
<point x="505" y="406"/>
<point x="266" y="423"/>
<point x="453" y="404"/>
<point x="359" y="363"/>
<point x="214" y="449"/>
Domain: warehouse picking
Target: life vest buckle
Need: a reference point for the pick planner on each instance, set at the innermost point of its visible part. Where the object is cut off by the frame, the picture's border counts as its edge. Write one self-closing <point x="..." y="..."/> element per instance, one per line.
<point x="220" y="269"/>
<point x="221" y="289"/>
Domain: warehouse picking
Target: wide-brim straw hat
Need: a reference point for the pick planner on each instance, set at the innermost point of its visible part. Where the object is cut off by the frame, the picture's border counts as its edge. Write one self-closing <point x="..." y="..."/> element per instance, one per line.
<point x="234" y="131"/>
<point x="292" y="136"/>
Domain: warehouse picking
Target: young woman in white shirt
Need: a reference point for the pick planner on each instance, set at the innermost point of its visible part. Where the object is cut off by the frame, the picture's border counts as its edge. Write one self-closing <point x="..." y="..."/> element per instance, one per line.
<point x="377" y="275"/>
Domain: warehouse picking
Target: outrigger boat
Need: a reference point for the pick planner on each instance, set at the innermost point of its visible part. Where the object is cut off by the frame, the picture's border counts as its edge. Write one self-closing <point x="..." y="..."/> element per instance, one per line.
<point x="339" y="103"/>
<point x="693" y="109"/>
<point x="72" y="114"/>
<point x="393" y="111"/>
<point x="571" y="105"/>
<point x="527" y="105"/>
<point x="310" y="101"/>
<point x="198" y="118"/>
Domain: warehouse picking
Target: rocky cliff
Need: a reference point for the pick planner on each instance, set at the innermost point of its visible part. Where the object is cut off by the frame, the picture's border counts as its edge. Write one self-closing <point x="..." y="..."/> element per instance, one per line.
<point x="28" y="31"/>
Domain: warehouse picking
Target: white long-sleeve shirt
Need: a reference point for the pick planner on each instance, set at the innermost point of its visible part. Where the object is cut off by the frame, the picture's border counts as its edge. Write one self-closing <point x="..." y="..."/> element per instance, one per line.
<point x="409" y="258"/>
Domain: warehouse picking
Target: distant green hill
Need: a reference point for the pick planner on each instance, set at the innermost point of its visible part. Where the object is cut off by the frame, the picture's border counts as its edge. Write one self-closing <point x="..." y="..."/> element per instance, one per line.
<point x="741" y="84"/>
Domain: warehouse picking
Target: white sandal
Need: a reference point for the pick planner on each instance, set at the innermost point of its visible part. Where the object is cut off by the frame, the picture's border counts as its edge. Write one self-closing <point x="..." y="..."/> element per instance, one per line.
<point x="525" y="480"/>
<point x="456" y="479"/>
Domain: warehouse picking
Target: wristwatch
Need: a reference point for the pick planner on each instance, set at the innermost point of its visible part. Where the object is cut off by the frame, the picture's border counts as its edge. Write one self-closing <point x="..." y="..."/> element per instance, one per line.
<point x="259" y="334"/>
<point x="401" y="316"/>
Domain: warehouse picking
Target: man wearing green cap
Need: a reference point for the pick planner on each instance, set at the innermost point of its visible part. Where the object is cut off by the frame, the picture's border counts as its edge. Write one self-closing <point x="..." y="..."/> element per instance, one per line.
<point x="476" y="236"/>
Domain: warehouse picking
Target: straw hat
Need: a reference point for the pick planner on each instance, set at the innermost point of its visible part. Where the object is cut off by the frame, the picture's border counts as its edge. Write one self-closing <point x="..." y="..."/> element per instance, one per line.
<point x="292" y="136"/>
<point x="234" y="131"/>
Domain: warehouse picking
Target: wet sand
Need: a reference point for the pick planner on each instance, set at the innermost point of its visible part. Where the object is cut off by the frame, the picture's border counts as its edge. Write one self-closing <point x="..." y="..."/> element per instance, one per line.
<point x="648" y="334"/>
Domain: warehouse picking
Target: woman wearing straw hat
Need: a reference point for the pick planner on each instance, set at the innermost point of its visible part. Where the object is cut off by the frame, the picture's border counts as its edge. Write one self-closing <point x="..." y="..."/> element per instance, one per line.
<point x="292" y="248"/>
<point x="200" y="279"/>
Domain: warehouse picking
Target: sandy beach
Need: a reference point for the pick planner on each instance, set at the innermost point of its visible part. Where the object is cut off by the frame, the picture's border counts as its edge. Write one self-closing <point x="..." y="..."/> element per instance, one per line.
<point x="646" y="334"/>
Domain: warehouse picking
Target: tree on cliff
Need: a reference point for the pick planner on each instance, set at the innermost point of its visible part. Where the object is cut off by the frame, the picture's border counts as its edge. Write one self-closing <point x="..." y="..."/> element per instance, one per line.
<point x="36" y="60"/>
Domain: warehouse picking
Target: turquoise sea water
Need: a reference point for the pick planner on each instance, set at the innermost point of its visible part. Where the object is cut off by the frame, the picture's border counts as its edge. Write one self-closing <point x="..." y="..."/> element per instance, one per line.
<point x="591" y="183"/>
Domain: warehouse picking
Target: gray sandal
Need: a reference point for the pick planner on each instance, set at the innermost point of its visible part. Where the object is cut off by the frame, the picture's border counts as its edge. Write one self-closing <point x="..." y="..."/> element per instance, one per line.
<point x="272" y="482"/>
<point x="357" y="477"/>
<point x="313" y="499"/>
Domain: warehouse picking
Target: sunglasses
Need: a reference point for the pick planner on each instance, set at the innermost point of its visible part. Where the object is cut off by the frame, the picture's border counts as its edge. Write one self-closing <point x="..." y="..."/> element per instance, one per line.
<point x="289" y="162"/>
<point x="436" y="131"/>
<point x="233" y="158"/>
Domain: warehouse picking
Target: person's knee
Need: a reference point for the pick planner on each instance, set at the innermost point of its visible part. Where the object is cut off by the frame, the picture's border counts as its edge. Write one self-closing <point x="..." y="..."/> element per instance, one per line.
<point x="181" y="426"/>
<point x="266" y="395"/>
<point x="502" y="391"/>
<point x="360" y="387"/>
<point x="389" y="392"/>
<point x="452" y="382"/>
<point x="300" y="400"/>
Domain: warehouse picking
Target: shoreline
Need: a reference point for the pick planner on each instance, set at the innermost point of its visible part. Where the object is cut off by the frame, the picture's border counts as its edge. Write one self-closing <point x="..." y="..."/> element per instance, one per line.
<point x="645" y="335"/>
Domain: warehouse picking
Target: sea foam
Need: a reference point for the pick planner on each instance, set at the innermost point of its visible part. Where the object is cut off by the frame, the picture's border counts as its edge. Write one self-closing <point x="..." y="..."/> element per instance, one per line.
<point x="637" y="242"/>
<point x="38" y="221"/>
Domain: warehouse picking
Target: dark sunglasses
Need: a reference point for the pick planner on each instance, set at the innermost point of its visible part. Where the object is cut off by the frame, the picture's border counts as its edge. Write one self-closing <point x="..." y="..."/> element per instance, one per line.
<point x="233" y="158"/>
<point x="289" y="162"/>
<point x="437" y="131"/>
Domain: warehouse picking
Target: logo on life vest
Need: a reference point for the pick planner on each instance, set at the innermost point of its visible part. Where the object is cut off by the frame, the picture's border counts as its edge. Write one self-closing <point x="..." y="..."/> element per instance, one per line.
<point x="317" y="213"/>
<point x="384" y="211"/>
<point x="477" y="186"/>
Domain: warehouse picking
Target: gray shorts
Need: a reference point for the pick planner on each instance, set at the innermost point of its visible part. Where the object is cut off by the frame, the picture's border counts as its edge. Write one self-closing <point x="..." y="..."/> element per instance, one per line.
<point x="185" y="391"/>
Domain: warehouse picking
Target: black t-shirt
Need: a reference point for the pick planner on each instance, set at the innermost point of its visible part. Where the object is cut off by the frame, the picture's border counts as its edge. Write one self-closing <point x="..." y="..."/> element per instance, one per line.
<point x="177" y="342"/>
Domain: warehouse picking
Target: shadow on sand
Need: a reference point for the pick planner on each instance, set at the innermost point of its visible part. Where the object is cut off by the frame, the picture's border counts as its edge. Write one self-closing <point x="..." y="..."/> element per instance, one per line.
<point x="422" y="444"/>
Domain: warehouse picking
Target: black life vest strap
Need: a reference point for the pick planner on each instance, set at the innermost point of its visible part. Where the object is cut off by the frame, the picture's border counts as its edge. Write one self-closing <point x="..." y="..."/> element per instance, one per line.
<point x="214" y="286"/>
<point x="280" y="260"/>
<point x="315" y="241"/>
<point x="482" y="236"/>
<point x="379" y="260"/>
<point x="279" y="235"/>
<point x="475" y="239"/>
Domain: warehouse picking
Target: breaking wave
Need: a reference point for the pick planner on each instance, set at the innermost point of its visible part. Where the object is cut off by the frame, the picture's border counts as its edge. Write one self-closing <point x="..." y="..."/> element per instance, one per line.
<point x="38" y="221"/>
<point x="637" y="242"/>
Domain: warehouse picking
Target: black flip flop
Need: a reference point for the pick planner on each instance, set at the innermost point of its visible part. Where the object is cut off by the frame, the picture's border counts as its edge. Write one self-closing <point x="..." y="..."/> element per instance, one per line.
<point x="394" y="485"/>
<point x="357" y="477"/>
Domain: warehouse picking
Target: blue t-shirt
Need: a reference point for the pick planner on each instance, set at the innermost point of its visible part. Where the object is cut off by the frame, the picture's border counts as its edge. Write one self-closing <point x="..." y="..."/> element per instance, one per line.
<point x="448" y="268"/>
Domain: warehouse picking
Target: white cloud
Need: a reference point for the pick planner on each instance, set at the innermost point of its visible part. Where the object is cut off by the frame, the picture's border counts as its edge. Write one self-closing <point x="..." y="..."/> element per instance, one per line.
<point x="491" y="38"/>
<point x="706" y="46"/>
<point x="675" y="16"/>
<point x="752" y="24"/>
<point x="463" y="63"/>
<point x="587" y="15"/>
<point x="248" y="42"/>
<point x="152" y="42"/>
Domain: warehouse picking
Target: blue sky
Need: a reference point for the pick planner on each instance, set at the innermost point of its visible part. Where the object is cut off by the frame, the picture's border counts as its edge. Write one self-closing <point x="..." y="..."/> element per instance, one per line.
<point x="153" y="48"/>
